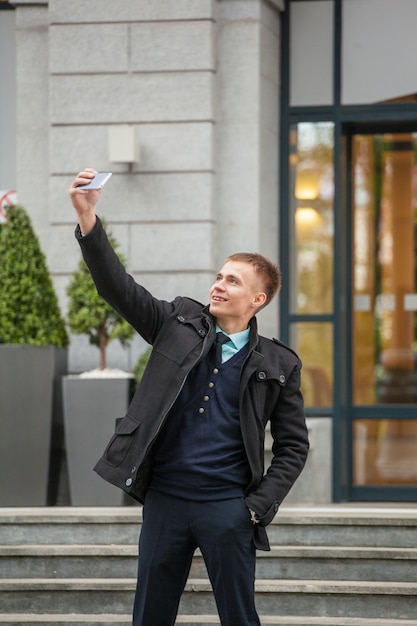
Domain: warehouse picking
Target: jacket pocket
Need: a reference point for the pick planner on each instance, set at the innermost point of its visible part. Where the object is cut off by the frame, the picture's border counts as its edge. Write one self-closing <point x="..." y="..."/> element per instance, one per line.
<point x="122" y="440"/>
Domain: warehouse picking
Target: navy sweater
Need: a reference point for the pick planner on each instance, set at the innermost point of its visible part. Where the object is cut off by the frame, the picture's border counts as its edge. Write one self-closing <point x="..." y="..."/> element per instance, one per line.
<point x="199" y="454"/>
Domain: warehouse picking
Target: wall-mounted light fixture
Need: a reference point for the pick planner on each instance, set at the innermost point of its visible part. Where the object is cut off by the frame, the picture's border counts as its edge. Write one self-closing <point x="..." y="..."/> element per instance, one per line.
<point x="307" y="182"/>
<point x="307" y="221"/>
<point x="123" y="144"/>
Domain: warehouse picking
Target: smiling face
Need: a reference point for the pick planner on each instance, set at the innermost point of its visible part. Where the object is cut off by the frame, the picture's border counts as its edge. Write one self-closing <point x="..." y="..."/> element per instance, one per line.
<point x="236" y="296"/>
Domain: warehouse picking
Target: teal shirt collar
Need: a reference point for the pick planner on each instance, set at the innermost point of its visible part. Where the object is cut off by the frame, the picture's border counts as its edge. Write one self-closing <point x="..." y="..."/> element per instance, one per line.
<point x="239" y="340"/>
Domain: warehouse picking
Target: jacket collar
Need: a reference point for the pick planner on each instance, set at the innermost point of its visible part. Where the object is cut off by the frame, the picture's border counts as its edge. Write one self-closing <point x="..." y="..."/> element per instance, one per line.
<point x="210" y="321"/>
<point x="253" y="334"/>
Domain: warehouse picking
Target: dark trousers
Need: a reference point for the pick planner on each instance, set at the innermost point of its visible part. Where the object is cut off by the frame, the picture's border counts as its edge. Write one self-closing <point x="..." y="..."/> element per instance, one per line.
<point x="172" y="529"/>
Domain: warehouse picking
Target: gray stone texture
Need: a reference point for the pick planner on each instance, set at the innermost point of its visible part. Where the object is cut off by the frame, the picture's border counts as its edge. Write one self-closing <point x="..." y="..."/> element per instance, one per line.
<point x="172" y="46"/>
<point x="154" y="198"/>
<point x="79" y="11"/>
<point x="7" y="102"/>
<point x="88" y="48"/>
<point x="32" y="133"/>
<point x="163" y="147"/>
<point x="130" y="98"/>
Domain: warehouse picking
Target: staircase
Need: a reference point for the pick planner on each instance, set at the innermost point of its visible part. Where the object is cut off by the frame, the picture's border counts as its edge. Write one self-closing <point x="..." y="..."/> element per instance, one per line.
<point x="333" y="566"/>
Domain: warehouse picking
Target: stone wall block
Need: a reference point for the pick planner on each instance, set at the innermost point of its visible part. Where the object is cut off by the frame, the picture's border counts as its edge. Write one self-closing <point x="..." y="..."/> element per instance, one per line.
<point x="88" y="48"/>
<point x="163" y="148"/>
<point x="171" y="247"/>
<point x="269" y="110"/>
<point x="269" y="59"/>
<point x="62" y="11"/>
<point x="32" y="123"/>
<point x="172" y="46"/>
<point x="131" y="98"/>
<point x="168" y="285"/>
<point x="269" y="15"/>
<point x="64" y="252"/>
<point x="238" y="73"/>
<point x="143" y="198"/>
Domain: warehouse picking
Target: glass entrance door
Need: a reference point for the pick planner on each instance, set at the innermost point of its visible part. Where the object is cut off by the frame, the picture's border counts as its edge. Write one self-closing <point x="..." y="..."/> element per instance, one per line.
<point x="384" y="316"/>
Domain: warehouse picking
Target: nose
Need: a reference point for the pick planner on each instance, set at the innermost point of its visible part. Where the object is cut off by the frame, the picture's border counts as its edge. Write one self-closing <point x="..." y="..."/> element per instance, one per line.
<point x="219" y="284"/>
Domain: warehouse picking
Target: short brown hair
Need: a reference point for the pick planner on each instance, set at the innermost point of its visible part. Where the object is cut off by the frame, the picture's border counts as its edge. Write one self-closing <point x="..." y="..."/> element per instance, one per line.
<point x="267" y="271"/>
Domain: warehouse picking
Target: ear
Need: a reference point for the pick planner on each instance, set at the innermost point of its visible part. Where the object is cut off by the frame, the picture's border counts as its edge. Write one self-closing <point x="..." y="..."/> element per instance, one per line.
<point x="259" y="300"/>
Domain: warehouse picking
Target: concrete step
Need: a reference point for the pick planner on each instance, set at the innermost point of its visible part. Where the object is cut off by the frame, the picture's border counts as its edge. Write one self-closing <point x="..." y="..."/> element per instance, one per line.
<point x="338" y="563"/>
<point x="273" y="597"/>
<point x="313" y="526"/>
<point x="329" y="566"/>
<point x="192" y="620"/>
<point x="321" y="526"/>
<point x="70" y="525"/>
<point x="354" y="526"/>
<point x="290" y="562"/>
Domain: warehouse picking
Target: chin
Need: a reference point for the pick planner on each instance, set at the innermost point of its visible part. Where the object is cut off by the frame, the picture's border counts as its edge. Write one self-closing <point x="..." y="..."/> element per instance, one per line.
<point x="213" y="307"/>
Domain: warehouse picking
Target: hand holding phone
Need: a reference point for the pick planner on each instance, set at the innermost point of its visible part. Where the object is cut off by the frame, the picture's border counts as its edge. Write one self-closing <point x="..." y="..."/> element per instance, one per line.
<point x="99" y="180"/>
<point x="84" y="196"/>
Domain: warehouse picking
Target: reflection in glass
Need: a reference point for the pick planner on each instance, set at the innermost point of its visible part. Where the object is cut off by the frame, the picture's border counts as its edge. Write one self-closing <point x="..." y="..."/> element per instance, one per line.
<point x="311" y="166"/>
<point x="385" y="269"/>
<point x="313" y="341"/>
<point x="384" y="452"/>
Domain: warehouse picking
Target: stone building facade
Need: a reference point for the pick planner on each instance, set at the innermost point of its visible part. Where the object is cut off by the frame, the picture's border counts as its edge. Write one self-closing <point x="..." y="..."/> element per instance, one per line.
<point x="198" y="82"/>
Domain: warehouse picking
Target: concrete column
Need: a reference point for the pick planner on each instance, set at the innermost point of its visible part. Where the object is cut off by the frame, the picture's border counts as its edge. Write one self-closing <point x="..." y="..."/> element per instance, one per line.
<point x="246" y="140"/>
<point x="32" y="115"/>
<point x="7" y="101"/>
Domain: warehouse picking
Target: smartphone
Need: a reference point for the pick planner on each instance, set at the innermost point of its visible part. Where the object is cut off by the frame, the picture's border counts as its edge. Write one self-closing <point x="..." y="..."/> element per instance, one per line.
<point x="99" y="180"/>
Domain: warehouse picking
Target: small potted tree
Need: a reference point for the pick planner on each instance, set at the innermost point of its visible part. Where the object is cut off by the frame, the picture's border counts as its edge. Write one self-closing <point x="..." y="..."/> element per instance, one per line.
<point x="93" y="399"/>
<point x="33" y="358"/>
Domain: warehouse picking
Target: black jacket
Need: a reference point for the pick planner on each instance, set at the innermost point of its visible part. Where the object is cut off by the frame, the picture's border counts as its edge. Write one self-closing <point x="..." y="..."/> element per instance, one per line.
<point x="182" y="333"/>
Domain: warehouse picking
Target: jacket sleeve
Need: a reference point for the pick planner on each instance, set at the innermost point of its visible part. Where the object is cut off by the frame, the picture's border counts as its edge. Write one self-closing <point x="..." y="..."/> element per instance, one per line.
<point x="132" y="301"/>
<point x="289" y="450"/>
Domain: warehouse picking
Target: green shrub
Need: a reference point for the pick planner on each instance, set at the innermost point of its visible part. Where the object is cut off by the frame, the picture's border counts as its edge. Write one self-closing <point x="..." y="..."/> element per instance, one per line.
<point x="89" y="314"/>
<point x="29" y="310"/>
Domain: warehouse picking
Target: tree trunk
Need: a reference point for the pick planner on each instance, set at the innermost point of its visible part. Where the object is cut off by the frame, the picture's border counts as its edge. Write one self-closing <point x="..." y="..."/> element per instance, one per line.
<point x="102" y="345"/>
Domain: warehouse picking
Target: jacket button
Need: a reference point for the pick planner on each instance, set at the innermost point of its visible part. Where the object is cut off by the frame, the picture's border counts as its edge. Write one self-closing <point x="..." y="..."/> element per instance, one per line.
<point x="180" y="318"/>
<point x="129" y="482"/>
<point x="282" y="379"/>
<point x="261" y="375"/>
<point x="202" y="332"/>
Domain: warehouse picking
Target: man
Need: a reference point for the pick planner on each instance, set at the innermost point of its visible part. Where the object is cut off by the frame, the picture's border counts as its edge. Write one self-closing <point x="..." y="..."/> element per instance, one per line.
<point x="191" y="446"/>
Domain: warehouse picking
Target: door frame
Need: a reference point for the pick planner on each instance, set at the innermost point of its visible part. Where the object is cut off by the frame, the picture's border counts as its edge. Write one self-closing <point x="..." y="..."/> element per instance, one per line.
<point x="345" y="412"/>
<point x="347" y="119"/>
<point x="352" y="120"/>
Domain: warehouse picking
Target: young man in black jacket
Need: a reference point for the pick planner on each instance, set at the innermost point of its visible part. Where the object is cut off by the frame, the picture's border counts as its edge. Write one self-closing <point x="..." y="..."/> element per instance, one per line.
<point x="191" y="446"/>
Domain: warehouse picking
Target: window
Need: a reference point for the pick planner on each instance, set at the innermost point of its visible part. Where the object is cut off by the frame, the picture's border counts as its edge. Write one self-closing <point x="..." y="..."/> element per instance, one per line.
<point x="311" y="249"/>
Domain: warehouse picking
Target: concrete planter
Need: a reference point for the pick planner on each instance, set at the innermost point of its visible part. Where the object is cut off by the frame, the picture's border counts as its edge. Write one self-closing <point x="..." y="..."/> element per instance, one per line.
<point x="30" y="422"/>
<point x="91" y="406"/>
